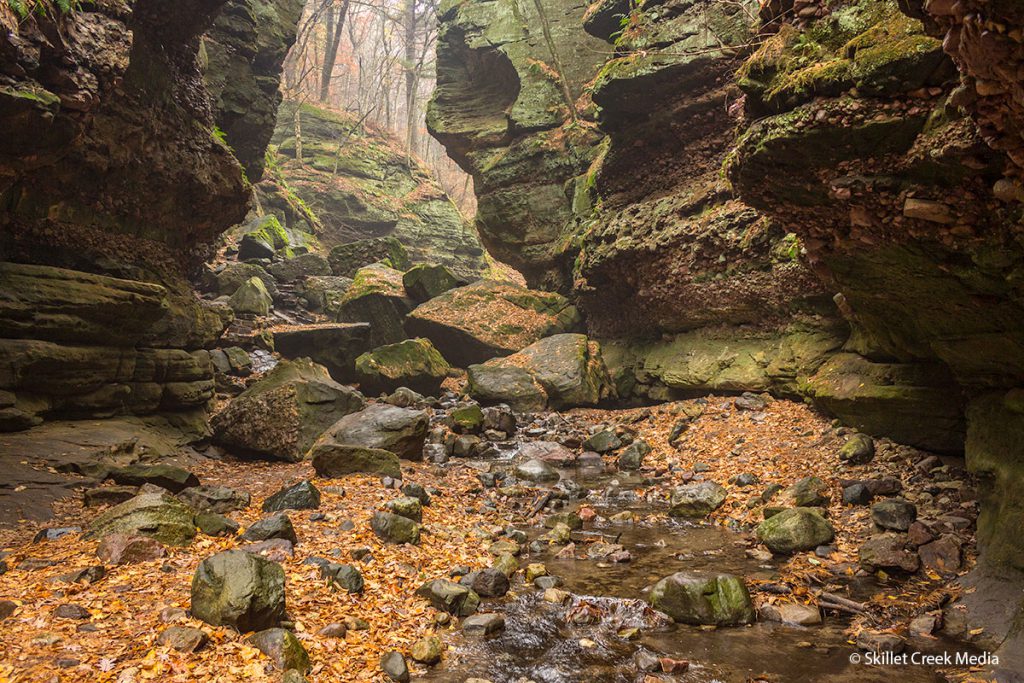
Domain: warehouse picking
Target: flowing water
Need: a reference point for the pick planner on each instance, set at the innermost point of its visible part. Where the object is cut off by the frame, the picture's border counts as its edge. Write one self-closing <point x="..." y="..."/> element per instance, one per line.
<point x="579" y="640"/>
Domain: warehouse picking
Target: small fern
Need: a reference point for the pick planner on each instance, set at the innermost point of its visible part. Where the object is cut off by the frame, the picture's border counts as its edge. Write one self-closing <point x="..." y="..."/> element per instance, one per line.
<point x="24" y="8"/>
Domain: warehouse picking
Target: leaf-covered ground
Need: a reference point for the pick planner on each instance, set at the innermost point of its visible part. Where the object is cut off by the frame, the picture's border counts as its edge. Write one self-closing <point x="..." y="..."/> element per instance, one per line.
<point x="117" y="642"/>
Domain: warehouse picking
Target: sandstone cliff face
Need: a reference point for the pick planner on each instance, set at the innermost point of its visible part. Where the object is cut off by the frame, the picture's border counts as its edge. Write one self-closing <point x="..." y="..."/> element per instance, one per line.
<point x="828" y="207"/>
<point x="507" y="107"/>
<point x="242" y="55"/>
<point x="112" y="172"/>
<point x="355" y="183"/>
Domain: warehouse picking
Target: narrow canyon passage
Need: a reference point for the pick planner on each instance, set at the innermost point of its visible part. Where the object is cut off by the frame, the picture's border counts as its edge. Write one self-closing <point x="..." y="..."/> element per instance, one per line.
<point x="489" y="341"/>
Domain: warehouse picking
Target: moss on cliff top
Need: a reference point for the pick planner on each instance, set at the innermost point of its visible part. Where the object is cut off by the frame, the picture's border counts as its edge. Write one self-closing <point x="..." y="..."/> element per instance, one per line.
<point x="869" y="46"/>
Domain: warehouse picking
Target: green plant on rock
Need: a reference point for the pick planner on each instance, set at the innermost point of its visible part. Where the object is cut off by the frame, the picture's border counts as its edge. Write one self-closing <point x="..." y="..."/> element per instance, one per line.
<point x="24" y="8"/>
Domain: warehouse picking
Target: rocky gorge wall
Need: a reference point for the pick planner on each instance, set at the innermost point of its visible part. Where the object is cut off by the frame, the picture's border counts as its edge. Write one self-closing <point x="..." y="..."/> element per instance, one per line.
<point x="354" y="182"/>
<point x="114" y="178"/>
<point x="819" y="199"/>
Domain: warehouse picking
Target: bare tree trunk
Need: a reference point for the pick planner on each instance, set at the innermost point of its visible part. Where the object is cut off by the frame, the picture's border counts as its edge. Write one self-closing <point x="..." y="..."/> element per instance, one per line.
<point x="411" y="76"/>
<point x="335" y="23"/>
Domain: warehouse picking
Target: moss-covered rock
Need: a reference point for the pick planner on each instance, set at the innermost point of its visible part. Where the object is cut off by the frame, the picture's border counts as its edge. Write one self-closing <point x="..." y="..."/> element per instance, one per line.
<point x="490" y="318"/>
<point x="399" y="430"/>
<point x="567" y="367"/>
<point x="377" y="296"/>
<point x="424" y="281"/>
<point x="283" y="414"/>
<point x="346" y="259"/>
<point x="335" y="346"/>
<point x="235" y="274"/>
<point x="239" y="589"/>
<point x="703" y="599"/>
<point x="337" y="460"/>
<point x="413" y="363"/>
<point x="795" y="530"/>
<point x="157" y="515"/>
<point x="251" y="298"/>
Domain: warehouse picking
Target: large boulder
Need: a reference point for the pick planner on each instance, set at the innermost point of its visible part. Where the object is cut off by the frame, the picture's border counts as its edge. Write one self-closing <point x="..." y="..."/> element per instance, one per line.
<point x="324" y="293"/>
<point x="334" y="346"/>
<point x="795" y="530"/>
<point x="235" y="274"/>
<point x="425" y="281"/>
<point x="157" y="515"/>
<point x="703" y="599"/>
<point x="377" y="296"/>
<point x="251" y="298"/>
<point x="239" y="589"/>
<point x="174" y="479"/>
<point x="347" y="259"/>
<point x="336" y="460"/>
<point x="568" y="368"/>
<point x="299" y="268"/>
<point x="490" y="318"/>
<point x="399" y="430"/>
<point x="413" y="363"/>
<point x="515" y="386"/>
<point x="283" y="414"/>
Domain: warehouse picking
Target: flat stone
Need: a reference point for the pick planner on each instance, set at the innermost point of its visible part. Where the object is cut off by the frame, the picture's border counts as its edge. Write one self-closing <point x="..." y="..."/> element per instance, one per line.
<point x="183" y="638"/>
<point x="483" y="624"/>
<point x="127" y="549"/>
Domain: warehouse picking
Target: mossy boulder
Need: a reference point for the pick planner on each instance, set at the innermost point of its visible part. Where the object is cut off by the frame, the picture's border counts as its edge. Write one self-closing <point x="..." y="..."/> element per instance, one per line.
<point x="402" y="431"/>
<point x="235" y="274"/>
<point x="795" y="530"/>
<point x="156" y="515"/>
<point x="251" y="298"/>
<point x="392" y="528"/>
<point x="337" y="460"/>
<point x="377" y="296"/>
<point x="336" y="346"/>
<point x="325" y="293"/>
<point x="511" y="384"/>
<point x="299" y="268"/>
<point x="265" y="237"/>
<point x="703" y="599"/>
<point x="413" y="363"/>
<point x="239" y="589"/>
<point x="284" y="413"/>
<point x="568" y="368"/>
<point x="347" y="259"/>
<point x="490" y="318"/>
<point x="425" y="281"/>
